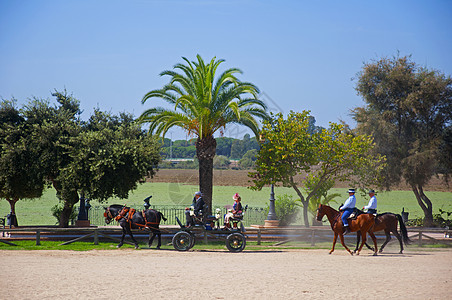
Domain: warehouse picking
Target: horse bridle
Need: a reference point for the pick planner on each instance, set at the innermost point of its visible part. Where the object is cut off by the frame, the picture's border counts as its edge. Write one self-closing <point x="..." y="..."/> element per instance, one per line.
<point x="107" y="214"/>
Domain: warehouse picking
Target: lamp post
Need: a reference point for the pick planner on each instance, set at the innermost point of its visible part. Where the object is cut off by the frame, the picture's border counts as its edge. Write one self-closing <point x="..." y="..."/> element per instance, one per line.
<point x="272" y="220"/>
<point x="82" y="219"/>
<point x="272" y="212"/>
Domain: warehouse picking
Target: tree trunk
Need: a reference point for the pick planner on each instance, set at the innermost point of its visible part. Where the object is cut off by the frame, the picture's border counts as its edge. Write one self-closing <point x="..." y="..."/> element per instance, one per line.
<point x="205" y="151"/>
<point x="303" y="201"/>
<point x="67" y="209"/>
<point x="425" y="203"/>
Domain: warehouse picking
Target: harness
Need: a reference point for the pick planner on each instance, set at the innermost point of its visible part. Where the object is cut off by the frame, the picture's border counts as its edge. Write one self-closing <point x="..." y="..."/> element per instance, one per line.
<point x="127" y="214"/>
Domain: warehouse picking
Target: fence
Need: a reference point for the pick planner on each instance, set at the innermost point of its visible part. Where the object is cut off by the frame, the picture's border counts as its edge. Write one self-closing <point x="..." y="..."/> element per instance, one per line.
<point x="312" y="235"/>
<point x="253" y="215"/>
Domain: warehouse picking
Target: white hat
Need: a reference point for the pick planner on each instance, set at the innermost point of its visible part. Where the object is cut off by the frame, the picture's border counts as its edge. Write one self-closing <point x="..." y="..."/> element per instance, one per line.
<point x="198" y="193"/>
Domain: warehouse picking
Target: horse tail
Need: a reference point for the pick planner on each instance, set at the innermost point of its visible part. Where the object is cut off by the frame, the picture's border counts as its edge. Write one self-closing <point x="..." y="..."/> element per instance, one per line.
<point x="162" y="216"/>
<point x="405" y="238"/>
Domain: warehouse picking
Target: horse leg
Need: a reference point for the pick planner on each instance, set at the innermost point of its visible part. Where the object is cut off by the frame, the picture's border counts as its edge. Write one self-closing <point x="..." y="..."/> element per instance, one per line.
<point x="364" y="237"/>
<point x="399" y="237"/>
<point x="151" y="238"/>
<point x="372" y="235"/>
<point x="122" y="237"/>
<point x="388" y="238"/>
<point x="159" y="236"/>
<point x="334" y="242"/>
<point x="345" y="246"/>
<point x="129" y="231"/>
<point x="358" y="239"/>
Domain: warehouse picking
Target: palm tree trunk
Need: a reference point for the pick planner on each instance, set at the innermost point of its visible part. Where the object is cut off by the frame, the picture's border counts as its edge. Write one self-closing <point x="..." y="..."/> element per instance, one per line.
<point x="205" y="151"/>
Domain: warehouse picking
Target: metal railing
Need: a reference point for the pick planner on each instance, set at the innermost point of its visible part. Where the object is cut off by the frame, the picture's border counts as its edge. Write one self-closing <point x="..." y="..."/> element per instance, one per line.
<point x="253" y="215"/>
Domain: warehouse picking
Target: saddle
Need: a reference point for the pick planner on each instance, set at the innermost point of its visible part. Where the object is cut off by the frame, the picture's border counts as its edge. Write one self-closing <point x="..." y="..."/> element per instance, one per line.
<point x="356" y="212"/>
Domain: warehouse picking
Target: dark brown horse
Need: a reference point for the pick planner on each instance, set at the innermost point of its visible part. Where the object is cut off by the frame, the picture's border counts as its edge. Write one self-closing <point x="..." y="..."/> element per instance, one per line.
<point x="388" y="223"/>
<point x="130" y="219"/>
<point x="363" y="223"/>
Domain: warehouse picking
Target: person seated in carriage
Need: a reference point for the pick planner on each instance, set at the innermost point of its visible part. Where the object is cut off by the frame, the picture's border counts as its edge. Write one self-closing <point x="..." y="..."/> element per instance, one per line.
<point x="198" y="207"/>
<point x="235" y="213"/>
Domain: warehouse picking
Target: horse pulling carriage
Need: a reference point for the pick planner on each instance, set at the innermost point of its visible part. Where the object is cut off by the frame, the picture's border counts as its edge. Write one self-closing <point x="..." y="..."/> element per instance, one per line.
<point x="202" y="223"/>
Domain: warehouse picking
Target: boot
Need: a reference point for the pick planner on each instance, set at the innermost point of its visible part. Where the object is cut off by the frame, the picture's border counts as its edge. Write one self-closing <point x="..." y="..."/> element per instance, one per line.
<point x="346" y="230"/>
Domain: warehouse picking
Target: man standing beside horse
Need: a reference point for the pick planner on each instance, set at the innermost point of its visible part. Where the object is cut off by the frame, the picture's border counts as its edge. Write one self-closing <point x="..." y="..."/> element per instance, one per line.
<point x="347" y="209"/>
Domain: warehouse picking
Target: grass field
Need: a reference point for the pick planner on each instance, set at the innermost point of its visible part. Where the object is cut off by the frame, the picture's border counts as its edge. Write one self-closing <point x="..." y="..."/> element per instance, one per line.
<point x="38" y="211"/>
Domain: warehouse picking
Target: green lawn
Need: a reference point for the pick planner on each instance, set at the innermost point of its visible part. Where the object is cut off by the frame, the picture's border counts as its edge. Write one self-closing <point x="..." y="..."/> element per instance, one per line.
<point x="38" y="211"/>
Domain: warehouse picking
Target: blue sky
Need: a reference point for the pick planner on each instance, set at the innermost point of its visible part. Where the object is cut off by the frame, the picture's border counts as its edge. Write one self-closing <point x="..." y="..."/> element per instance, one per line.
<point x="301" y="54"/>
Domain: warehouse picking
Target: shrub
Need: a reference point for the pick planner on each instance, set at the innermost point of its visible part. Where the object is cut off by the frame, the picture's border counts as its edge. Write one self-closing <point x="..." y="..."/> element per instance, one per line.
<point x="286" y="208"/>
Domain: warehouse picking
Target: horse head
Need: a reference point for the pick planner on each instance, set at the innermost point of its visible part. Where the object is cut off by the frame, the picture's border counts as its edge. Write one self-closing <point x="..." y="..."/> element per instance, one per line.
<point x="320" y="212"/>
<point x="111" y="212"/>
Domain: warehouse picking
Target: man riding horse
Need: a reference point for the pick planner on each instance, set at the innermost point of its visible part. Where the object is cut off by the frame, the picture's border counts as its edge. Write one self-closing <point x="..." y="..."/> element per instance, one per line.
<point x="347" y="209"/>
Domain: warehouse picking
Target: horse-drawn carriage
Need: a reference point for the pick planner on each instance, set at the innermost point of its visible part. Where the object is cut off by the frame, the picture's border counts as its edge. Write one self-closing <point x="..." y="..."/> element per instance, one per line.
<point x="149" y="219"/>
<point x="202" y="223"/>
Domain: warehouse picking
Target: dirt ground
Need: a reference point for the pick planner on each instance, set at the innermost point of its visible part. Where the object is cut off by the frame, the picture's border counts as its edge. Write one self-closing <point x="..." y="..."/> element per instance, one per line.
<point x="278" y="274"/>
<point x="240" y="178"/>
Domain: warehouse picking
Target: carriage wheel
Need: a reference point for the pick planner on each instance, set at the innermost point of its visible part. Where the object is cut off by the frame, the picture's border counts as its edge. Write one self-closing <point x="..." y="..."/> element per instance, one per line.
<point x="236" y="242"/>
<point x="193" y="239"/>
<point x="182" y="241"/>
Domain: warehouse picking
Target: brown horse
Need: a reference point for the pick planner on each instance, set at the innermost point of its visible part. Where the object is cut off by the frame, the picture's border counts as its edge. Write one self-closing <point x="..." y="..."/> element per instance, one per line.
<point x="388" y="223"/>
<point x="363" y="223"/>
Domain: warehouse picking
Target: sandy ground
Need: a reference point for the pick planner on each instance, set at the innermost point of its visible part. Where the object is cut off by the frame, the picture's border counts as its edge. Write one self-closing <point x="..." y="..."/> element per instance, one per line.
<point x="279" y="274"/>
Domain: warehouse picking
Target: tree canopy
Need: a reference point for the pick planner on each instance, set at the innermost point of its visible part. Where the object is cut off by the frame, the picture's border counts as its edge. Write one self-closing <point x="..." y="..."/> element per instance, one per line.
<point x="289" y="147"/>
<point x="103" y="157"/>
<point x="408" y="111"/>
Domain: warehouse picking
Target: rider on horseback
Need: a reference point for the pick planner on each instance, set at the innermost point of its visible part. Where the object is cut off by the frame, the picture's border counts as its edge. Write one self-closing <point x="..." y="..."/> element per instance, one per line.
<point x="372" y="206"/>
<point x="347" y="209"/>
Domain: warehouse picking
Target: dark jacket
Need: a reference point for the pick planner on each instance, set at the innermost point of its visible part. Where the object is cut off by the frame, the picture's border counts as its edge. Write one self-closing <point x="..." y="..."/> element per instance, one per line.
<point x="198" y="205"/>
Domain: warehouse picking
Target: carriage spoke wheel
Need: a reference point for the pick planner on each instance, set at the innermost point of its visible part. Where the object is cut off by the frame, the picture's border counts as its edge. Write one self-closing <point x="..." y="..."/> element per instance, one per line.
<point x="183" y="241"/>
<point x="235" y="242"/>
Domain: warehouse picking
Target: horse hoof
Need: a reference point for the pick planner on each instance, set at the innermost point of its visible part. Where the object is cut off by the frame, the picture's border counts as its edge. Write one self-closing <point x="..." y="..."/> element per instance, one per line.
<point x="381" y="250"/>
<point x="158" y="248"/>
<point x="375" y="254"/>
<point x="118" y="246"/>
<point x="137" y="247"/>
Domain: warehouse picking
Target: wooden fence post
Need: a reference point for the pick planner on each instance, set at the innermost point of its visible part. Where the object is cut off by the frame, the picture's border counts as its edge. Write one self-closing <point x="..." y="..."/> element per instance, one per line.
<point x="38" y="237"/>
<point x="96" y="237"/>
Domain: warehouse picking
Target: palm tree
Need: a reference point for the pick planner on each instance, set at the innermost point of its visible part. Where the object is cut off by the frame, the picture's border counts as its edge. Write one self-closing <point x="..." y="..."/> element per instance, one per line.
<point x="202" y="106"/>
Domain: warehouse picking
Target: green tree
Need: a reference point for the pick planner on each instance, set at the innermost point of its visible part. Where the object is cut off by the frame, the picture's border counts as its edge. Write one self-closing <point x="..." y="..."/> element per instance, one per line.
<point x="203" y="105"/>
<point x="221" y="162"/>
<point x="288" y="148"/>
<point x="320" y="196"/>
<point x="103" y="157"/>
<point x="247" y="161"/>
<point x="408" y="111"/>
<point x="20" y="174"/>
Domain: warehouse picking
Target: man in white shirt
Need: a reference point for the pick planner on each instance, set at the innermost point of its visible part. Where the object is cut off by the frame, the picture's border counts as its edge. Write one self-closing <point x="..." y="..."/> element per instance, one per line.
<point x="372" y="206"/>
